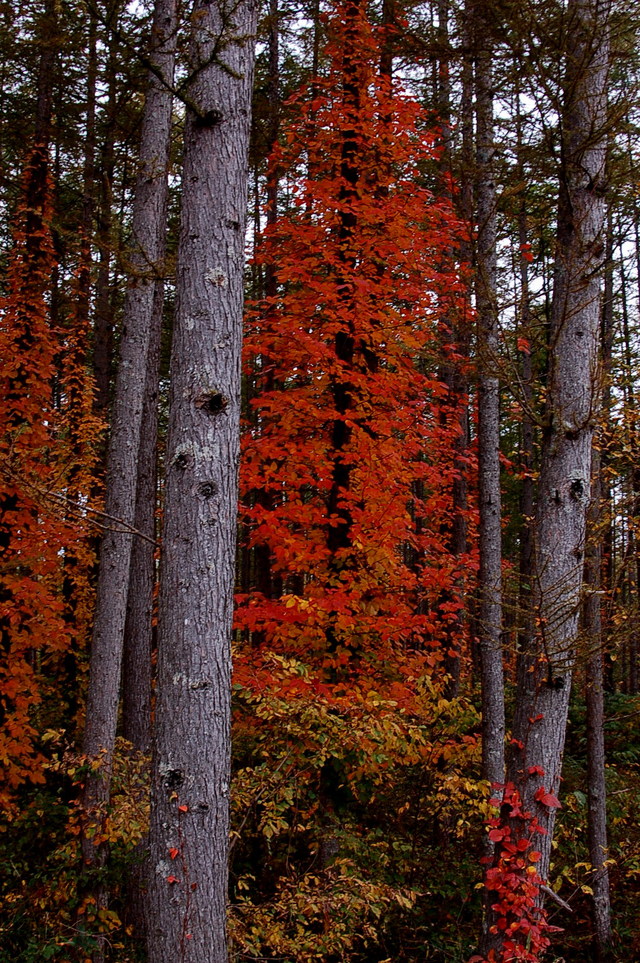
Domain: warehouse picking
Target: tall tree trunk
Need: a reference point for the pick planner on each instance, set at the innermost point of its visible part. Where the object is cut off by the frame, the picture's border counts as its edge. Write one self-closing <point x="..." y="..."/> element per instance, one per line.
<point x="146" y="301"/>
<point x="594" y="630"/>
<point x="103" y="315"/>
<point x="493" y="722"/>
<point x="465" y="204"/>
<point x="596" y="784"/>
<point x="545" y="670"/>
<point x="142" y="313"/>
<point x="527" y="502"/>
<point x="607" y="536"/>
<point x="191" y="768"/>
<point x="73" y="359"/>
<point x="455" y="341"/>
<point x="631" y="428"/>
<point x="138" y="632"/>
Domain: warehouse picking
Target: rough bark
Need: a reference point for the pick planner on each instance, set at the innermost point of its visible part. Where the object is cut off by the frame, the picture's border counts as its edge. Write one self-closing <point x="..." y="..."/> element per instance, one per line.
<point x="607" y="535"/>
<point x="140" y="314"/>
<point x="465" y="203"/>
<point x="631" y="418"/>
<point x="527" y="500"/>
<point x="103" y="314"/>
<point x="191" y="768"/>
<point x="455" y="341"/>
<point x="489" y="496"/>
<point x="545" y="672"/>
<point x="545" y="669"/>
<point x="596" y="784"/>
<point x="138" y="632"/>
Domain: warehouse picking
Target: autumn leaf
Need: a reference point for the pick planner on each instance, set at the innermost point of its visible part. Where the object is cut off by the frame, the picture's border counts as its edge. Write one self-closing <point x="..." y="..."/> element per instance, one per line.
<point x="547" y="799"/>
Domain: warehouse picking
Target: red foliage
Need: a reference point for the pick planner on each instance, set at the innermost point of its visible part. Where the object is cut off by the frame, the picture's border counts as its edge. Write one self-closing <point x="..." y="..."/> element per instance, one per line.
<point x="34" y="634"/>
<point x="518" y="917"/>
<point x="348" y="462"/>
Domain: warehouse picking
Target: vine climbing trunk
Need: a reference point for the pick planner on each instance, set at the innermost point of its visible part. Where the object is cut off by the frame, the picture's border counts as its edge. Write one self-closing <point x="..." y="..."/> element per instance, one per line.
<point x="191" y="767"/>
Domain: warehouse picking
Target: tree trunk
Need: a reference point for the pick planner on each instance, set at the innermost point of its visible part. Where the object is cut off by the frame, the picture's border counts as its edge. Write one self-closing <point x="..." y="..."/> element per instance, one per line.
<point x="142" y="312"/>
<point x="191" y="768"/>
<point x="607" y="536"/>
<point x="631" y="427"/>
<point x="455" y="341"/>
<point x="103" y="315"/>
<point x="493" y="723"/>
<point x="596" y="785"/>
<point x="527" y="499"/>
<point x="545" y="670"/>
<point x="138" y="632"/>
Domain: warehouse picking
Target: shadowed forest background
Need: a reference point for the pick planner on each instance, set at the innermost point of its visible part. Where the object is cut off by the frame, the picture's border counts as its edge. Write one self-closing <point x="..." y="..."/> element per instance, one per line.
<point x="319" y="481"/>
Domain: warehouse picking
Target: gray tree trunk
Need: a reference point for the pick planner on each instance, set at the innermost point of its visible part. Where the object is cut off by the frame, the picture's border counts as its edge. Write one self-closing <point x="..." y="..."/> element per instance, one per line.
<point x="596" y="784"/>
<point x="191" y="768"/>
<point x="631" y="417"/>
<point x="140" y="313"/>
<point x="103" y="312"/>
<point x="493" y="721"/>
<point x="455" y="335"/>
<point x="545" y="669"/>
<point x="527" y="438"/>
<point x="138" y="633"/>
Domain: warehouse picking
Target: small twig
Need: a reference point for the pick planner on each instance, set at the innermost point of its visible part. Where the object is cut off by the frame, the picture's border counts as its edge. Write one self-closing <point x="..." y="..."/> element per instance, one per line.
<point x="124" y="527"/>
<point x="549" y="892"/>
<point x="79" y="511"/>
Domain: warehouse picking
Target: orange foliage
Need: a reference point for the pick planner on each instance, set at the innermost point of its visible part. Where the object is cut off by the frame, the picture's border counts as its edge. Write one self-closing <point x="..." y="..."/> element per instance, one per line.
<point x="34" y="635"/>
<point x="348" y="461"/>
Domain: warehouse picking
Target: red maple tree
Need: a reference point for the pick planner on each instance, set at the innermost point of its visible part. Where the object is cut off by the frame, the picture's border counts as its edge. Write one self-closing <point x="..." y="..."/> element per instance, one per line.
<point x="38" y="456"/>
<point x="348" y="461"/>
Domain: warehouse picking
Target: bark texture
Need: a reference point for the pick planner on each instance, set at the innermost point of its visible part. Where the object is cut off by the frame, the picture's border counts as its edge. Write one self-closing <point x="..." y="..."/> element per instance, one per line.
<point x="455" y="340"/>
<point x="140" y="315"/>
<point x="545" y="668"/>
<point x="596" y="783"/>
<point x="527" y="436"/>
<point x="191" y="769"/>
<point x="103" y="312"/>
<point x="138" y="633"/>
<point x="493" y="722"/>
